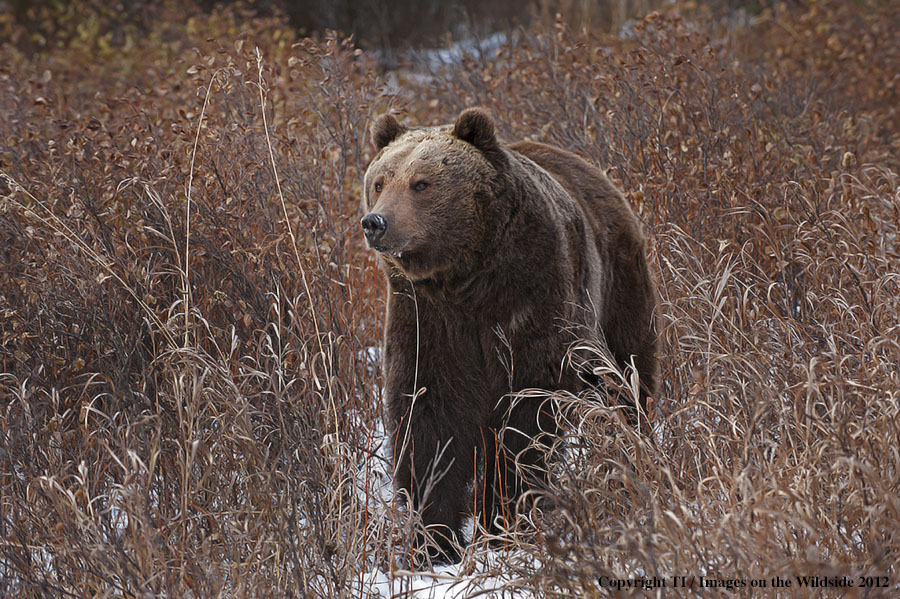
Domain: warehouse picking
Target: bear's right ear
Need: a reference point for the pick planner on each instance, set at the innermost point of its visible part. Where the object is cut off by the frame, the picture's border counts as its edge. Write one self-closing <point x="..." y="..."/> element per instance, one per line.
<point x="385" y="130"/>
<point x="475" y="126"/>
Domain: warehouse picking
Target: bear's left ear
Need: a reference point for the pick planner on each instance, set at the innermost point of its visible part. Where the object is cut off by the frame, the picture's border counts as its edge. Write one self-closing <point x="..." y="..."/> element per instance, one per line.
<point x="475" y="126"/>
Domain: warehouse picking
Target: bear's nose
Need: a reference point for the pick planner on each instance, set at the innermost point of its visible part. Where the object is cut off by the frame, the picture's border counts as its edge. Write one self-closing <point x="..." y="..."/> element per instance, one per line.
<point x="374" y="226"/>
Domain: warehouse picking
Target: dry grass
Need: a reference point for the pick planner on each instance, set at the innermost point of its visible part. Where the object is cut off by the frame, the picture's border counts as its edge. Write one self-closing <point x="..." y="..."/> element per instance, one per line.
<point x="189" y="395"/>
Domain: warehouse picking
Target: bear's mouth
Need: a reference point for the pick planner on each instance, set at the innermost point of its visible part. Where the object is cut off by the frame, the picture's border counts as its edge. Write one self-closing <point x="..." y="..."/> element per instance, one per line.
<point x="396" y="253"/>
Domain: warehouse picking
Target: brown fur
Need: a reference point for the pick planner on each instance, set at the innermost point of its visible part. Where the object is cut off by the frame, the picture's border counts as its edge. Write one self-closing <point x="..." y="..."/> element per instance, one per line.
<point x="494" y="254"/>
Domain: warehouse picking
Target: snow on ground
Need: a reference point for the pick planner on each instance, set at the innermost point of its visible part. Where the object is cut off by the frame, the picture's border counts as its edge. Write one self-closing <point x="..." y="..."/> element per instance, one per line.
<point x="459" y="51"/>
<point x="447" y="582"/>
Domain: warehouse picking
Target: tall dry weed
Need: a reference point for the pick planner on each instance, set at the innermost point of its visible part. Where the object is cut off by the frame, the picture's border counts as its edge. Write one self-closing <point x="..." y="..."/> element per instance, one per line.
<point x="189" y="323"/>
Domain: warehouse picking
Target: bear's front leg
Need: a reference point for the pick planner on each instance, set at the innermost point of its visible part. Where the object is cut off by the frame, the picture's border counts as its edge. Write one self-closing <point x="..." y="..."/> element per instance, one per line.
<point x="434" y="468"/>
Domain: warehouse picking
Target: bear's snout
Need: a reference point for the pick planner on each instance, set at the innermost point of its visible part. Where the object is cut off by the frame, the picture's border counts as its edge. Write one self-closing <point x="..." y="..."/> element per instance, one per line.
<point x="374" y="225"/>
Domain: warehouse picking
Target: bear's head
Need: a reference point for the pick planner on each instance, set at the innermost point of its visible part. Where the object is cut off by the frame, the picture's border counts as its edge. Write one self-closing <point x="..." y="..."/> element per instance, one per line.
<point x="429" y="193"/>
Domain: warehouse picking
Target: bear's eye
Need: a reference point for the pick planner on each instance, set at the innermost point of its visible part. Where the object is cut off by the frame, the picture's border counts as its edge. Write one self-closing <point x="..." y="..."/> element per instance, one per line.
<point x="378" y="187"/>
<point x="420" y="186"/>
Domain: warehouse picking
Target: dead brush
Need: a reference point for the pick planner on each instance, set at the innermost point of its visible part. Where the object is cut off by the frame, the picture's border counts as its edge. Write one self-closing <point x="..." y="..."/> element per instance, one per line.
<point x="218" y="460"/>
<point x="225" y="441"/>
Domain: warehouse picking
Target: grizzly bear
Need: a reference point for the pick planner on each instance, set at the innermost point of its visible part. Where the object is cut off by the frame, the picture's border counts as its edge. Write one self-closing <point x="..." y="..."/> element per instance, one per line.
<point x="498" y="257"/>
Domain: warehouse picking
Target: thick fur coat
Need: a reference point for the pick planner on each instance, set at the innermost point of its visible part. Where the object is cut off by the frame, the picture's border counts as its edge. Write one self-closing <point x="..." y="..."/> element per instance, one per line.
<point x="498" y="257"/>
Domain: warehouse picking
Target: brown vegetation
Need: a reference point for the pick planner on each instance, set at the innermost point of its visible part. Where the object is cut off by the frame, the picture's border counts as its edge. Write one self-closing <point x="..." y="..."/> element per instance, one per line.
<point x="189" y="403"/>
